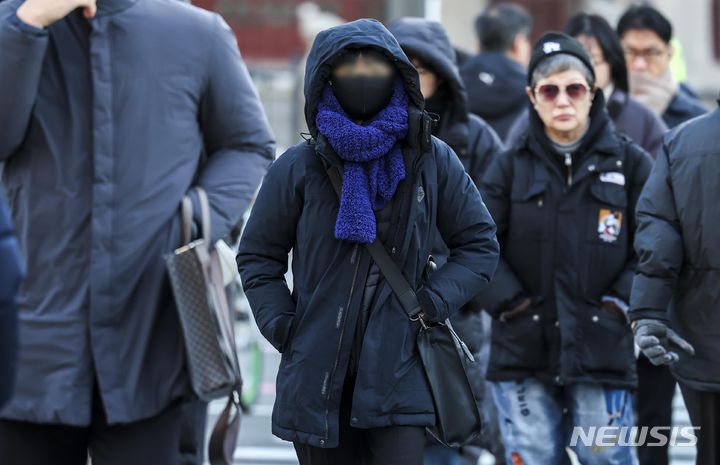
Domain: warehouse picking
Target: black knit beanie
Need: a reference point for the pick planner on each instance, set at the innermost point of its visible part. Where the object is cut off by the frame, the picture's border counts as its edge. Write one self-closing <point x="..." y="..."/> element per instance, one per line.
<point x="554" y="43"/>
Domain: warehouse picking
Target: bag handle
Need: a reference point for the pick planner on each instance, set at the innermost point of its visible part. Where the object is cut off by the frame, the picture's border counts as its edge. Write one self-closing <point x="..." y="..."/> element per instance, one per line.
<point x="187" y="216"/>
<point x="221" y="446"/>
<point x="404" y="292"/>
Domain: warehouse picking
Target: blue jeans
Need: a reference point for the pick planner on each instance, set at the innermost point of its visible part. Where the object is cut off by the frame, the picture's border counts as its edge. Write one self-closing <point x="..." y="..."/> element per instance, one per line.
<point x="537" y="418"/>
<point x="439" y="454"/>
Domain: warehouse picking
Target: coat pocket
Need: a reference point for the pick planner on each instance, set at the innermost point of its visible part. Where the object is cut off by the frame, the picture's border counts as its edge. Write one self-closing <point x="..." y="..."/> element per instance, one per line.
<point x="518" y="343"/>
<point x="527" y="211"/>
<point x="605" y="342"/>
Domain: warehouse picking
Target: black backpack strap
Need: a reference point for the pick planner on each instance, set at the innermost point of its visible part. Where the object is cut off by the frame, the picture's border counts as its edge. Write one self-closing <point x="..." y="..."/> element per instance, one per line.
<point x="404" y="292"/>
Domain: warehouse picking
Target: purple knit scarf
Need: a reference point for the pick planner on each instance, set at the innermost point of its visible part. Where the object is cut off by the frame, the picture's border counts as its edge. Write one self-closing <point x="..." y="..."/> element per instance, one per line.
<point x="373" y="165"/>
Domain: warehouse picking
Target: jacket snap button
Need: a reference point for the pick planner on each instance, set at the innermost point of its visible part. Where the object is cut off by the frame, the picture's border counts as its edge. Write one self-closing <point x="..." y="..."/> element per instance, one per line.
<point x="354" y="420"/>
<point x="536" y="317"/>
<point x="557" y="324"/>
<point x="595" y="318"/>
<point x="557" y="379"/>
<point x="322" y="442"/>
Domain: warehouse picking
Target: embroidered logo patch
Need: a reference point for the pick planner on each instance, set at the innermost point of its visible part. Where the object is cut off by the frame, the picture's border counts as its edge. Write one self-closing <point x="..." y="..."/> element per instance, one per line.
<point x="549" y="47"/>
<point x="613" y="177"/>
<point x="487" y="78"/>
<point x="609" y="225"/>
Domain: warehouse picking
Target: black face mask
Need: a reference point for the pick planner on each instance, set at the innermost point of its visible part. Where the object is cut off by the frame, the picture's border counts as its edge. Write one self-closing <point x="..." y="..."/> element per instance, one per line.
<point x="363" y="97"/>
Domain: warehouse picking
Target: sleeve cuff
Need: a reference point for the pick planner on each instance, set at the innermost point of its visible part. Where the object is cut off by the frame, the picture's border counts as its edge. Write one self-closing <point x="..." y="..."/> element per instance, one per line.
<point x="434" y="311"/>
<point x="647" y="313"/>
<point x="25" y="27"/>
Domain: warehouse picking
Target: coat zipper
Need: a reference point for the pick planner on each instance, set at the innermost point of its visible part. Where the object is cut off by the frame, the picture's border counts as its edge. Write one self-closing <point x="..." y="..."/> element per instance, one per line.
<point x="568" y="163"/>
<point x="355" y="255"/>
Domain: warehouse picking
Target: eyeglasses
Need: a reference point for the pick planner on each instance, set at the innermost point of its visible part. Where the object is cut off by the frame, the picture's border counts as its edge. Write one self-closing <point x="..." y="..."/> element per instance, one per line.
<point x="648" y="54"/>
<point x="549" y="92"/>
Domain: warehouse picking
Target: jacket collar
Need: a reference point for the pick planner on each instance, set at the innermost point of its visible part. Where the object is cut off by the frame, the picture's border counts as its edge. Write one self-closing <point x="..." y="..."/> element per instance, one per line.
<point x="111" y="7"/>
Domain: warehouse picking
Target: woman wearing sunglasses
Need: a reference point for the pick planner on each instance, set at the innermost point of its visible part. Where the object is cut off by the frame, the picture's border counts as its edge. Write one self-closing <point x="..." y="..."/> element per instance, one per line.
<point x="564" y="200"/>
<point x="611" y="76"/>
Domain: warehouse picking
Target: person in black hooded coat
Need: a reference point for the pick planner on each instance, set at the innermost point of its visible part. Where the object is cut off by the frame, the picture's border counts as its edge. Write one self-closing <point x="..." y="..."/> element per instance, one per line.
<point x="476" y="143"/>
<point x="470" y="137"/>
<point x="351" y="388"/>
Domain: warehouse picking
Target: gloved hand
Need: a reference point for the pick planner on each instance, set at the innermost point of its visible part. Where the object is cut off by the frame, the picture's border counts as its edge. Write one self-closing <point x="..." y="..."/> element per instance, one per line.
<point x="655" y="338"/>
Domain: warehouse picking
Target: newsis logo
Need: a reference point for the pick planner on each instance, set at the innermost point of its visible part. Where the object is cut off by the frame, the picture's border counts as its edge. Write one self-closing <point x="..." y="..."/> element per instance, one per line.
<point x="657" y="436"/>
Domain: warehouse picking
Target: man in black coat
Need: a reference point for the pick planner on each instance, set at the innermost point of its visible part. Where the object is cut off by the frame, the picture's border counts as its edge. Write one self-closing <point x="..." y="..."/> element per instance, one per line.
<point x="676" y="291"/>
<point x="646" y="35"/>
<point x="495" y="78"/>
<point x="112" y="111"/>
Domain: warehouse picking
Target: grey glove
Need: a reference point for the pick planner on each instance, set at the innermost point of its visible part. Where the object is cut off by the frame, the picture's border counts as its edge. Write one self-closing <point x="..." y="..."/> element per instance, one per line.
<point x="655" y="338"/>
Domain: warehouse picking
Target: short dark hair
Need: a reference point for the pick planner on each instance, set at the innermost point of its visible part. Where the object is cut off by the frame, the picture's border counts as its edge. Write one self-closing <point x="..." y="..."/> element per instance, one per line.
<point x="597" y="27"/>
<point x="497" y="26"/>
<point x="645" y="17"/>
<point x="559" y="63"/>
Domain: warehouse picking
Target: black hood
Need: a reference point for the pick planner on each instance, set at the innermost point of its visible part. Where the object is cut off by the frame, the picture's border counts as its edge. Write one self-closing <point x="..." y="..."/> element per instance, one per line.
<point x="496" y="85"/>
<point x="428" y="42"/>
<point x="331" y="43"/>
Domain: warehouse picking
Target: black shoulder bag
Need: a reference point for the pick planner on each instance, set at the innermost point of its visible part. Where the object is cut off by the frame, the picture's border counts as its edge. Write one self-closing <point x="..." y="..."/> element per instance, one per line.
<point x="444" y="356"/>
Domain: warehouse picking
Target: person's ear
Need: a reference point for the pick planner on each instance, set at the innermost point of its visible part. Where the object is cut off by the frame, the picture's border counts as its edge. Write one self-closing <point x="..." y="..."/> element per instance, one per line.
<point x="531" y="95"/>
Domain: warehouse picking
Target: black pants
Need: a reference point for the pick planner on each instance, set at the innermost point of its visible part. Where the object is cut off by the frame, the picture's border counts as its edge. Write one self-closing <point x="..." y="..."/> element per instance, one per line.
<point x="393" y="445"/>
<point x="704" y="410"/>
<point x="192" y="433"/>
<point x="154" y="441"/>
<point x="656" y="388"/>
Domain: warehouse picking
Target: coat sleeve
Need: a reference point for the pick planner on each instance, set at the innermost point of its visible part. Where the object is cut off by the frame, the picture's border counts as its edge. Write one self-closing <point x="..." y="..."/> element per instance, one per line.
<point x="642" y="164"/>
<point x="239" y="144"/>
<point x="11" y="274"/>
<point x="658" y="244"/>
<point x="263" y="255"/>
<point x="22" y="50"/>
<point x="469" y="232"/>
<point x="496" y="188"/>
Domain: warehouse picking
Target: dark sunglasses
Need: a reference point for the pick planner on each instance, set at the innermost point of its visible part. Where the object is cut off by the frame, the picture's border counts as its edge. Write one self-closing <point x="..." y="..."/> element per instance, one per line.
<point x="549" y="92"/>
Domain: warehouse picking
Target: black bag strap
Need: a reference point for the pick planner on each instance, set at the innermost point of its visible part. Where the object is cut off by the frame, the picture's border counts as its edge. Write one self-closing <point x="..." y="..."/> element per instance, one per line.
<point x="404" y="292"/>
<point x="221" y="446"/>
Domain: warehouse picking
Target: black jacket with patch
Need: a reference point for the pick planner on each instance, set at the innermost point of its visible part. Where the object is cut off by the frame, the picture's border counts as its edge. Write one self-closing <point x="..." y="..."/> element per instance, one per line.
<point x="566" y="241"/>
